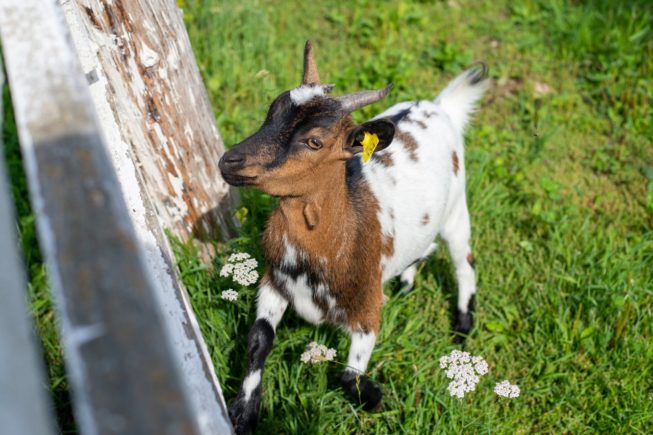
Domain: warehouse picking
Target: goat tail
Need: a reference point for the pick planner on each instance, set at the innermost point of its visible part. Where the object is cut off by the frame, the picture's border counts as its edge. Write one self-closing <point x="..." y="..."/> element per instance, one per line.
<point x="458" y="99"/>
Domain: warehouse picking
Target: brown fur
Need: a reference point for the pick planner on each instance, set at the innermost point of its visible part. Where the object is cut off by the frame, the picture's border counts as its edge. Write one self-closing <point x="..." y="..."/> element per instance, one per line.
<point x="383" y="158"/>
<point x="312" y="214"/>
<point x="347" y="237"/>
<point x="471" y="260"/>
<point x="334" y="228"/>
<point x="456" y="162"/>
<point x="304" y="170"/>
<point x="409" y="143"/>
<point x="418" y="122"/>
<point x="331" y="223"/>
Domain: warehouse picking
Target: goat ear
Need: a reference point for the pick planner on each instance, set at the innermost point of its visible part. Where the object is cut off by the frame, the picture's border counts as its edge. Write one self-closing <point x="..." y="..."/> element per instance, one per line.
<point x="383" y="128"/>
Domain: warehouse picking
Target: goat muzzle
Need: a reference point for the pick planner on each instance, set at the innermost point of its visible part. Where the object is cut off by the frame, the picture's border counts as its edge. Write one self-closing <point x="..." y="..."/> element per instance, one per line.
<point x="231" y="163"/>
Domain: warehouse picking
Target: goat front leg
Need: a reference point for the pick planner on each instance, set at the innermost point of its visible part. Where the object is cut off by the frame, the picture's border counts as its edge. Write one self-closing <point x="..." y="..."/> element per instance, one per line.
<point x="270" y="308"/>
<point x="357" y="386"/>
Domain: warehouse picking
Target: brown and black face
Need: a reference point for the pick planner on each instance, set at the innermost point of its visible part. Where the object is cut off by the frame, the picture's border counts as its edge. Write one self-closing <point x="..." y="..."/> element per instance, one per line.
<point x="305" y="132"/>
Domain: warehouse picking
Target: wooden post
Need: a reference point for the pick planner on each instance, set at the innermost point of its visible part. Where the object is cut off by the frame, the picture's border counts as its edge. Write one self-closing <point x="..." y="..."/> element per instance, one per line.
<point x="138" y="59"/>
<point x="118" y="85"/>
<point x="126" y="375"/>
<point x="24" y="401"/>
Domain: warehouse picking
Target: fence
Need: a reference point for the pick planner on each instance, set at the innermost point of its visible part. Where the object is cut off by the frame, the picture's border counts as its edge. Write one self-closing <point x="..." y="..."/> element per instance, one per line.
<point x="135" y="358"/>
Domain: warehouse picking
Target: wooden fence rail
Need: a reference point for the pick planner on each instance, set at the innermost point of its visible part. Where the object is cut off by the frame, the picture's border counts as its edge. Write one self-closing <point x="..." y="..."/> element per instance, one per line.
<point x="135" y="359"/>
<point x="24" y="407"/>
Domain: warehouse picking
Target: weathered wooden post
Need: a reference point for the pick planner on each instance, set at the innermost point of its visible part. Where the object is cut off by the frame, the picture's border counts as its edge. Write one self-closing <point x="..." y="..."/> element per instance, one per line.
<point x="24" y="404"/>
<point x="152" y="103"/>
<point x="135" y="358"/>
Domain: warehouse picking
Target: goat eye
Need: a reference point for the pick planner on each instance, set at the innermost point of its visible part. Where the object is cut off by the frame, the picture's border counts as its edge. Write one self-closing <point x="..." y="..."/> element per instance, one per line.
<point x="314" y="143"/>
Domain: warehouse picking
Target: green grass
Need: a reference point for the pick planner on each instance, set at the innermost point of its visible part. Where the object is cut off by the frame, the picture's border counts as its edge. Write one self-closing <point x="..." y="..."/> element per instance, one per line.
<point x="560" y="188"/>
<point x="561" y="195"/>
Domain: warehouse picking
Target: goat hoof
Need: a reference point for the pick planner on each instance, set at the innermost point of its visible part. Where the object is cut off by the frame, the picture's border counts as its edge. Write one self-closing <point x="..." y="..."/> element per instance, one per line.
<point x="243" y="415"/>
<point x="362" y="390"/>
<point x="464" y="322"/>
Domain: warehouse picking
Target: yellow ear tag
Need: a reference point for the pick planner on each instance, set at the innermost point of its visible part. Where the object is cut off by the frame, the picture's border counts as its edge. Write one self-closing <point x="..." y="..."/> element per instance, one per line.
<point x="369" y="142"/>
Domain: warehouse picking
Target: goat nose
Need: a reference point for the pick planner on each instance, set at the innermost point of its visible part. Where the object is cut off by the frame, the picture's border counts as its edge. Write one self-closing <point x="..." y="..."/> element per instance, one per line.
<point x="232" y="161"/>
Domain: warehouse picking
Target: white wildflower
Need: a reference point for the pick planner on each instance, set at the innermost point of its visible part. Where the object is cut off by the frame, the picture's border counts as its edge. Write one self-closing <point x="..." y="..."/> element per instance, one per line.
<point x="229" y="295"/>
<point x="305" y="357"/>
<point x="459" y="356"/>
<point x="456" y="389"/>
<point x="480" y="365"/>
<point x="226" y="270"/>
<point x="316" y="353"/>
<point x="464" y="370"/>
<point x="506" y="389"/>
<point x="242" y="267"/>
<point x="238" y="256"/>
<point x="330" y="354"/>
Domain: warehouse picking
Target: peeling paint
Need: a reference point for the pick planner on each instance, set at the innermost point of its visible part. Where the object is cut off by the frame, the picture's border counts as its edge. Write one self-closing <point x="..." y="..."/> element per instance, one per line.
<point x="149" y="58"/>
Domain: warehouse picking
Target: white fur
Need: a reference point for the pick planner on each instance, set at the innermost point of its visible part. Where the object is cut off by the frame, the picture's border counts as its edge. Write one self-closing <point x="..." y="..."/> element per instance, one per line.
<point x="290" y="253"/>
<point x="250" y="383"/>
<point x="299" y="290"/>
<point x="302" y="297"/>
<point x="270" y="305"/>
<point x="408" y="190"/>
<point x="408" y="276"/>
<point x="360" y="351"/>
<point x="431" y="249"/>
<point x="304" y="93"/>
<point x="460" y="96"/>
<point x="456" y="233"/>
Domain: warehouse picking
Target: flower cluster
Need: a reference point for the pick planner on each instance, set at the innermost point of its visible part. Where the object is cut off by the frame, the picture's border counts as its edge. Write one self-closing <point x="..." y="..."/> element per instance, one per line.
<point x="506" y="389"/>
<point x="316" y="353"/>
<point x="464" y="370"/>
<point x="229" y="295"/>
<point x="242" y="267"/>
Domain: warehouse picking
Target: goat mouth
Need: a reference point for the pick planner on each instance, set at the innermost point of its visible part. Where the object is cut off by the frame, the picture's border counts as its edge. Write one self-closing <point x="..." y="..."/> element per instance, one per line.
<point x="239" y="180"/>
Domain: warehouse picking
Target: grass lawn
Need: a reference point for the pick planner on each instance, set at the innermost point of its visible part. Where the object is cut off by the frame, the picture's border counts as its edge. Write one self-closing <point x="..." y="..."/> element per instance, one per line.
<point x="560" y="187"/>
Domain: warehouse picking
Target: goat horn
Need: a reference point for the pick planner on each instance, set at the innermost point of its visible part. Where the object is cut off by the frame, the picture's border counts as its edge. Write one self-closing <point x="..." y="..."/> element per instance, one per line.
<point x="355" y="101"/>
<point x="311" y="76"/>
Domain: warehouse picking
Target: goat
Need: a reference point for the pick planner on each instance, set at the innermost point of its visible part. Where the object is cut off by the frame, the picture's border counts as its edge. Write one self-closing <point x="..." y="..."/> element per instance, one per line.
<point x="344" y="227"/>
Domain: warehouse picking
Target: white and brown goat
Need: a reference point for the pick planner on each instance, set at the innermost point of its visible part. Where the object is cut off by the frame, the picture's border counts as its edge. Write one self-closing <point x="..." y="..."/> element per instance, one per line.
<point x="343" y="227"/>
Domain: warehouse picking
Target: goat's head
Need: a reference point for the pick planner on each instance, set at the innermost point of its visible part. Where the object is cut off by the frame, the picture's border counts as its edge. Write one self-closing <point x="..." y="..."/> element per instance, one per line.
<point x="306" y="132"/>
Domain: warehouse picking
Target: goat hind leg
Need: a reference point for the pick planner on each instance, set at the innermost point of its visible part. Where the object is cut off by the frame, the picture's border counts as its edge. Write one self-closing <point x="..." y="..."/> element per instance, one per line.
<point x="456" y="234"/>
<point x="407" y="277"/>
